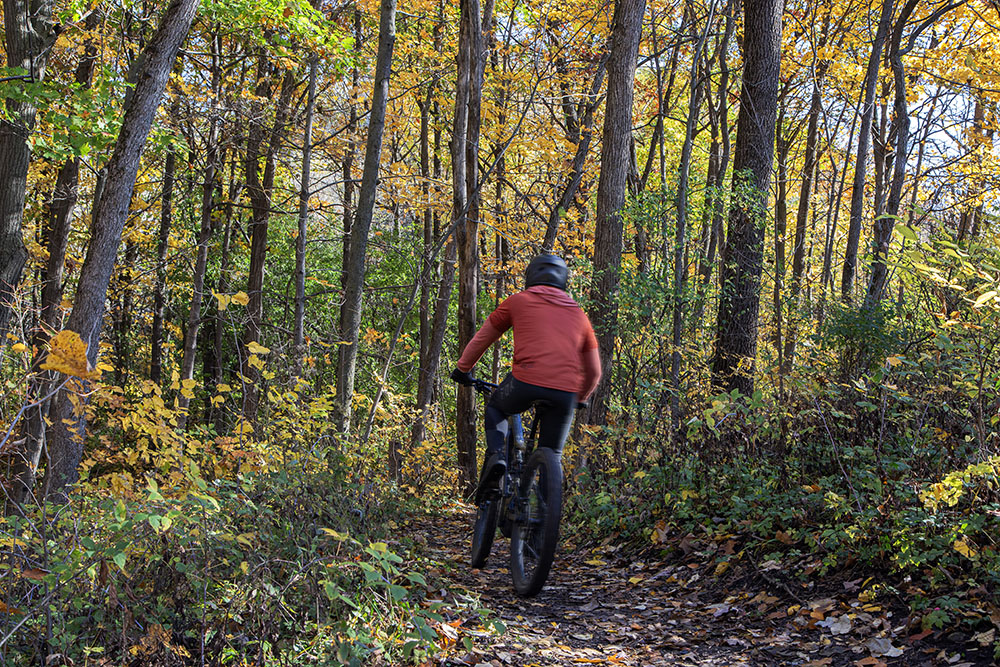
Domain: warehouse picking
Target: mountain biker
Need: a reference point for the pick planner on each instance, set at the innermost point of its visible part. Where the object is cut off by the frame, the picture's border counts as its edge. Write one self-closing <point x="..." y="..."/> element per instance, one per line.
<point x="555" y="359"/>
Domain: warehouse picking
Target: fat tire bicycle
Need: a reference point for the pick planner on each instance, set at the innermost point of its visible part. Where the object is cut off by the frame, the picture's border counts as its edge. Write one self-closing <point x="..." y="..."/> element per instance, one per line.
<point x="526" y="507"/>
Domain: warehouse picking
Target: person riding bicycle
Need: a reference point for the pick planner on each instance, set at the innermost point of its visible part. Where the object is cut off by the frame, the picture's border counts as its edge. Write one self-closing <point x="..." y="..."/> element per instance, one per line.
<point x="556" y="359"/>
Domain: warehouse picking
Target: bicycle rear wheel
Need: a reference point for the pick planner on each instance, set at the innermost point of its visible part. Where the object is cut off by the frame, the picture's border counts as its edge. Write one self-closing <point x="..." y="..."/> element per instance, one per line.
<point x="536" y="528"/>
<point x="484" y="530"/>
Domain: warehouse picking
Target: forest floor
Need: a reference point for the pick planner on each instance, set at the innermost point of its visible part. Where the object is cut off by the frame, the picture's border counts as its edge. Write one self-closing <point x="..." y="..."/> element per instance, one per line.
<point x="606" y="605"/>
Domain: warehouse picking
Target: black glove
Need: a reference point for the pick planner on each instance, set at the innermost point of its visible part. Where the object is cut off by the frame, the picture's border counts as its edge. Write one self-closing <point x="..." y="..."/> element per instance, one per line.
<point x="582" y="405"/>
<point x="462" y="377"/>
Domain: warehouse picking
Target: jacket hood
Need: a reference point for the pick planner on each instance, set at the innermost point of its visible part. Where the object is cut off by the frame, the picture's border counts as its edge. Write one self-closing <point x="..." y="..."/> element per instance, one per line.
<point x="553" y="295"/>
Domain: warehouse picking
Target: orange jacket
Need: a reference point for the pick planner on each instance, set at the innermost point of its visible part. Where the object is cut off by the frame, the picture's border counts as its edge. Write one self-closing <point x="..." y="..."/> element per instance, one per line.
<point x="554" y="344"/>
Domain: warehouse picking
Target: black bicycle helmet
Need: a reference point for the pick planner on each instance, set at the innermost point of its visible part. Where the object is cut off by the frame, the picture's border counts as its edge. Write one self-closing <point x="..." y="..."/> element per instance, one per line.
<point x="546" y="269"/>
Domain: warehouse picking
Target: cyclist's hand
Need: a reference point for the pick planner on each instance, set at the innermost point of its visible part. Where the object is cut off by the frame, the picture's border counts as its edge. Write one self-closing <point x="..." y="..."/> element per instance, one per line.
<point x="462" y="377"/>
<point x="582" y="405"/>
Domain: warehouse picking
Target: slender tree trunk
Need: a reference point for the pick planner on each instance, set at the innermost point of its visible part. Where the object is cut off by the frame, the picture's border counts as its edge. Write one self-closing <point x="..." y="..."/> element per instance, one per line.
<point x="680" y="242"/>
<point x="885" y="223"/>
<point x="66" y="441"/>
<point x="351" y="309"/>
<point x="784" y="146"/>
<point x="260" y="189"/>
<point x="56" y="239"/>
<point x="438" y="329"/>
<point x="159" y="290"/>
<point x="579" y="160"/>
<point x="219" y="328"/>
<point x="430" y="358"/>
<point x="717" y="239"/>
<point x="833" y="212"/>
<point x="209" y="189"/>
<point x="615" y="161"/>
<point x="864" y="143"/>
<point x="802" y="219"/>
<point x="427" y="218"/>
<point x="348" y="168"/>
<point x="739" y="303"/>
<point x="466" y="200"/>
<point x="28" y="34"/>
<point x="298" y="335"/>
<point x="808" y="174"/>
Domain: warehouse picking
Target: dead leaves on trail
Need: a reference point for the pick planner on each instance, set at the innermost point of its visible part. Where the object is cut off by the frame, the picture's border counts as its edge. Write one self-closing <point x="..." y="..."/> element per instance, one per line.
<point x="603" y="605"/>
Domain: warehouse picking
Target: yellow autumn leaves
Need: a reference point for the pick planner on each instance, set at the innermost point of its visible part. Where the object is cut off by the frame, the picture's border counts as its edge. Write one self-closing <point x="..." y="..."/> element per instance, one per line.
<point x="68" y="355"/>
<point x="240" y="298"/>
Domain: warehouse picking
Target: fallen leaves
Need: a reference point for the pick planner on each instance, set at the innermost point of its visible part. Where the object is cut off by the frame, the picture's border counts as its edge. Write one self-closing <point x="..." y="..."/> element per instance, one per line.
<point x="602" y="606"/>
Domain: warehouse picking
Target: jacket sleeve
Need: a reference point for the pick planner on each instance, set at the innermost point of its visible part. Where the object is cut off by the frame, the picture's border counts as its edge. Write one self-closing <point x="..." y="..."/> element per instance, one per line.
<point x="591" y="361"/>
<point x="591" y="372"/>
<point x="499" y="321"/>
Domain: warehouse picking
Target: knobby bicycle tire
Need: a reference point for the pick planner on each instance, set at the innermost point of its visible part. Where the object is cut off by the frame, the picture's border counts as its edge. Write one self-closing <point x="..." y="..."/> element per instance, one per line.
<point x="536" y="529"/>
<point x="484" y="530"/>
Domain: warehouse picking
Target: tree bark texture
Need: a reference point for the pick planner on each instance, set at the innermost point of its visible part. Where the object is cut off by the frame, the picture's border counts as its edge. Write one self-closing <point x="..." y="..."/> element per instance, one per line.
<point x="680" y="241"/>
<point x="864" y="144"/>
<point x="163" y="242"/>
<point x="465" y="204"/>
<point x="585" y="136"/>
<point x="885" y="223"/>
<point x="739" y="302"/>
<point x="298" y="335"/>
<point x="351" y="309"/>
<point x="260" y="189"/>
<point x="209" y="189"/>
<point x="615" y="162"/>
<point x="28" y="34"/>
<point x="66" y="442"/>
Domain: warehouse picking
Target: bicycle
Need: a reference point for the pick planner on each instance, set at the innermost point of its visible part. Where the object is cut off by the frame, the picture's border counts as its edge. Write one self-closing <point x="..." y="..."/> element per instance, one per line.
<point x="527" y="506"/>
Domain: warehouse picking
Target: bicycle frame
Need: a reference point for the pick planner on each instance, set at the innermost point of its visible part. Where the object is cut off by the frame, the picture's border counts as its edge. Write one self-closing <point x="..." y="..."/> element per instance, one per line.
<point x="519" y="449"/>
<point x="526" y="506"/>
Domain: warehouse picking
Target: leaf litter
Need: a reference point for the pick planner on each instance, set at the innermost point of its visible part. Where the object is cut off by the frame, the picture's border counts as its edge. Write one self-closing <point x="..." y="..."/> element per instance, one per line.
<point x="604" y="605"/>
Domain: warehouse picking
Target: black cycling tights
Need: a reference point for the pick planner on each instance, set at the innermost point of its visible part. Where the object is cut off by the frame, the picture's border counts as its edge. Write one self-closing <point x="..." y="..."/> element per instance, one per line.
<point x="514" y="397"/>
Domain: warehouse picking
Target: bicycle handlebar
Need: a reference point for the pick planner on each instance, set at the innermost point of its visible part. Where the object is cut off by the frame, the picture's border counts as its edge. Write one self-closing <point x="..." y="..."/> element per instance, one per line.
<point x="483" y="387"/>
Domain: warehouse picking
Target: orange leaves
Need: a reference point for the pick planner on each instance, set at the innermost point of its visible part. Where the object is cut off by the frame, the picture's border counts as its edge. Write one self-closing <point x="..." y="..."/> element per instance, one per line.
<point x="68" y="355"/>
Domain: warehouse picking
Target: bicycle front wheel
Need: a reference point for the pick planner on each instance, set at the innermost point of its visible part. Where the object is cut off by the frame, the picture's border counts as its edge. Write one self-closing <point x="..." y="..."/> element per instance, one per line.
<point x="536" y="527"/>
<point x="484" y="531"/>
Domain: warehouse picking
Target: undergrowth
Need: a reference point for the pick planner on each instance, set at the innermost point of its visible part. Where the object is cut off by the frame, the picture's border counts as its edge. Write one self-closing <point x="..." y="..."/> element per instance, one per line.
<point x="186" y="548"/>
<point x="881" y="477"/>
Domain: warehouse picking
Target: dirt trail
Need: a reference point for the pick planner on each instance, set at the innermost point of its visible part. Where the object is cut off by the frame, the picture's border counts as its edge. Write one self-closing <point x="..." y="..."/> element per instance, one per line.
<point x="602" y="606"/>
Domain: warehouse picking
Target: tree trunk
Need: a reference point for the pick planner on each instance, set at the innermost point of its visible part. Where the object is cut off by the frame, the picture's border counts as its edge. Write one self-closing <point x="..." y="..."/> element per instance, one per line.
<point x="55" y="239"/>
<point x="615" y="161"/>
<point x="739" y="302"/>
<point x="715" y="200"/>
<point x="298" y="335"/>
<point x="433" y="328"/>
<point x="351" y="309"/>
<point x="784" y="146"/>
<point x="833" y="212"/>
<point x="861" y="165"/>
<point x="66" y="442"/>
<point x="28" y="36"/>
<point x="259" y="189"/>
<point x="802" y="218"/>
<point x="579" y="160"/>
<point x="465" y="205"/>
<point x="680" y="242"/>
<point x="159" y="293"/>
<point x="438" y="329"/>
<point x="884" y="224"/>
<point x="209" y="189"/>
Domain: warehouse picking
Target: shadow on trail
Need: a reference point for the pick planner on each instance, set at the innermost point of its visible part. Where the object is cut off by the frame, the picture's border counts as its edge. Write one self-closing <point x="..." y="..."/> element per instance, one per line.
<point x="604" y="606"/>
